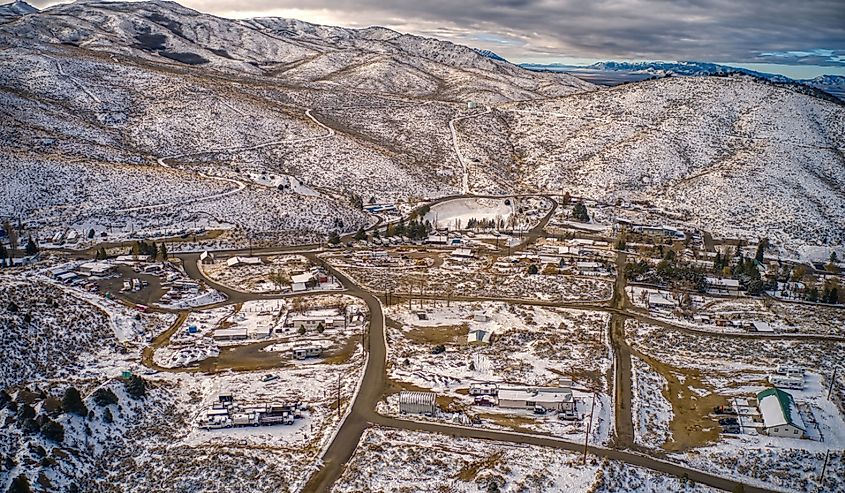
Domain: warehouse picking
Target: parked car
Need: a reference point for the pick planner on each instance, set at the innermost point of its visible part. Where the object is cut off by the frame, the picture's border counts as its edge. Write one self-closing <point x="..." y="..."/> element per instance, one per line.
<point x="539" y="410"/>
<point x="724" y="410"/>
<point x="728" y="422"/>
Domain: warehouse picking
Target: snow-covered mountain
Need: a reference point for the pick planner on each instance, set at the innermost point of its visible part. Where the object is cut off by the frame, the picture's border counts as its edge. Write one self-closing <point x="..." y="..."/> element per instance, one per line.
<point x="373" y="59"/>
<point x="18" y="8"/>
<point x="96" y="93"/>
<point x="633" y="71"/>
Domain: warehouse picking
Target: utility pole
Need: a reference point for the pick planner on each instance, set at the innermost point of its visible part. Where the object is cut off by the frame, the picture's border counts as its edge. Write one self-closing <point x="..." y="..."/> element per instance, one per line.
<point x="338" y="395"/>
<point x="832" y="379"/>
<point x="589" y="426"/>
<point x="824" y="468"/>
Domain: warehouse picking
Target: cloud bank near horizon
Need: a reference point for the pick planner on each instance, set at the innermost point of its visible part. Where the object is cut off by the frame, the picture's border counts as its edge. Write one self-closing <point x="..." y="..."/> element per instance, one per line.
<point x="784" y="32"/>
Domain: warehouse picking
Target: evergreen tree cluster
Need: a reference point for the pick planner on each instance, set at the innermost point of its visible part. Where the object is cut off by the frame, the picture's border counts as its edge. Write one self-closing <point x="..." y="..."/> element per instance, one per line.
<point x="151" y="249"/>
<point x="477" y="224"/>
<point x="415" y="229"/>
<point x="579" y="212"/>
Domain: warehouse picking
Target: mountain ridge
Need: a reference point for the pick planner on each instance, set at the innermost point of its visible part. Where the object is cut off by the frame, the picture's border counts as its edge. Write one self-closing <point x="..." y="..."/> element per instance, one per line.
<point x="832" y="84"/>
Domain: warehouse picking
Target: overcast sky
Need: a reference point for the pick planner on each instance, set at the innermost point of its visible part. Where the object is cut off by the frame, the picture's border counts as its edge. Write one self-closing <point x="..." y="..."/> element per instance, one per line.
<point x="796" y="37"/>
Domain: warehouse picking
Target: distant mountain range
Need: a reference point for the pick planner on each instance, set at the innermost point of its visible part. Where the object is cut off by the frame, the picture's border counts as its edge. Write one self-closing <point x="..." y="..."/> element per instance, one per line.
<point x="614" y="73"/>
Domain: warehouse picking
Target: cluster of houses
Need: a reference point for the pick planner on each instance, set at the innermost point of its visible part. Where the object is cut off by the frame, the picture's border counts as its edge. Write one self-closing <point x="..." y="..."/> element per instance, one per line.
<point x="657" y="233"/>
<point x="226" y="413"/>
<point x="538" y="400"/>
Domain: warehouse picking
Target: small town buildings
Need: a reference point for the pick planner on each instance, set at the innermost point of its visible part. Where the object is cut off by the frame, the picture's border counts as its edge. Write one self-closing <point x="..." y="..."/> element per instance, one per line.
<point x="590" y="266"/>
<point x="302" y="282"/>
<point x="96" y="269"/>
<point x="132" y="259"/>
<point x="559" y="399"/>
<point x="722" y="286"/>
<point x="234" y="334"/>
<point x="463" y="254"/>
<point x="787" y="382"/>
<point x="478" y="336"/>
<point x="790" y="371"/>
<point x="437" y="239"/>
<point x="66" y="277"/>
<point x="758" y="326"/>
<point x="207" y="257"/>
<point x="659" y="231"/>
<point x="241" y="261"/>
<point x="303" y="352"/>
<point x="483" y="389"/>
<point x="313" y="321"/>
<point x="417" y="403"/>
<point x="379" y="208"/>
<point x="780" y="414"/>
<point x="660" y="301"/>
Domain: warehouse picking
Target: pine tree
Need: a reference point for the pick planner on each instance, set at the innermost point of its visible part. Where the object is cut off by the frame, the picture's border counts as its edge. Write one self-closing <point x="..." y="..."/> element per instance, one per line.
<point x="72" y="402"/>
<point x="360" y="235"/>
<point x="31" y="247"/>
<point x="3" y="255"/>
<point x="334" y="238"/>
<point x="19" y="485"/>
<point x="135" y="387"/>
<point x="91" y="234"/>
<point x="162" y="252"/>
<point x="761" y="250"/>
<point x="104" y="397"/>
<point x="532" y="269"/>
<point x="53" y="431"/>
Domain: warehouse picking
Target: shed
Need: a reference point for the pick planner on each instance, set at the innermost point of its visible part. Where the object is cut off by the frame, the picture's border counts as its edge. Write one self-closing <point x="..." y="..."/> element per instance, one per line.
<point x="417" y="403"/>
<point x="479" y="336"/>
<point x="761" y="326"/>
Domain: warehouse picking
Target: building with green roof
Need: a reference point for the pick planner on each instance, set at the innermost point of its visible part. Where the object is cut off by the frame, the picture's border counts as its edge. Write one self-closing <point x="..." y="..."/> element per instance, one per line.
<point x="780" y="414"/>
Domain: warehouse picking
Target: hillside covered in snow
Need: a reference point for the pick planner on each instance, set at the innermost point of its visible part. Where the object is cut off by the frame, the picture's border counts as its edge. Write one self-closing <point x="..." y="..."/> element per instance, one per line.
<point x="161" y="116"/>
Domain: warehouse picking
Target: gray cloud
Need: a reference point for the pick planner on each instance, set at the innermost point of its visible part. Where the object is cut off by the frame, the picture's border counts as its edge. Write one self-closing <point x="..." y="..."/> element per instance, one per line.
<point x="706" y="30"/>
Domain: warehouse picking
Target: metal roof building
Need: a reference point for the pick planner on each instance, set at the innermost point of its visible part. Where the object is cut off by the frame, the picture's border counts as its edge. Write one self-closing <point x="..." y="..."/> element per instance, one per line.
<point x="780" y="414"/>
<point x="417" y="402"/>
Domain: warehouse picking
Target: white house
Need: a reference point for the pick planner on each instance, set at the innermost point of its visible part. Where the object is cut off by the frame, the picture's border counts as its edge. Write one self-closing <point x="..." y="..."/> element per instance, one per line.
<point x="417" y="402"/>
<point x="787" y="382"/>
<point x="760" y="326"/>
<point x="780" y="414"/>
<point x="206" y="257"/>
<point x="301" y="282"/>
<point x="463" y="253"/>
<point x="240" y="261"/>
<point x="97" y="269"/>
<point x="559" y="399"/>
<point x="722" y="286"/>
<point x="312" y="321"/>
<point x="230" y="334"/>
<point x="659" y="301"/>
